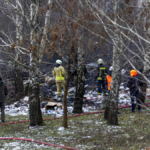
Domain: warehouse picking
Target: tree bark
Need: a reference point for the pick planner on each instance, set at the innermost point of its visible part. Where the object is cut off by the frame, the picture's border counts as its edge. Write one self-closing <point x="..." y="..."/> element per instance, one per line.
<point x="143" y="88"/>
<point x="35" y="114"/>
<point x="78" y="103"/>
<point x="37" y="50"/>
<point x="79" y="84"/>
<point x="65" y="119"/>
<point x="111" y="109"/>
<point x="19" y="88"/>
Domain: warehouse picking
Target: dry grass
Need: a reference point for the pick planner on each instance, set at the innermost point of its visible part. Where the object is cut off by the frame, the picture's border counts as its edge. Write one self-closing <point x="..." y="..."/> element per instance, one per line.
<point x="86" y="132"/>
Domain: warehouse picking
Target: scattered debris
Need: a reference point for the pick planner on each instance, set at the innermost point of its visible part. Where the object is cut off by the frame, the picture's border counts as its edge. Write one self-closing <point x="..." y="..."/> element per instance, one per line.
<point x="52" y="106"/>
<point x="51" y="103"/>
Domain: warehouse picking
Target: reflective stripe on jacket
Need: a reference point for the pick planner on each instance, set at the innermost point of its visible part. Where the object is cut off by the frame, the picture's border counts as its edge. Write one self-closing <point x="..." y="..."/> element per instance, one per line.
<point x="108" y="81"/>
<point x="59" y="73"/>
<point x="102" y="73"/>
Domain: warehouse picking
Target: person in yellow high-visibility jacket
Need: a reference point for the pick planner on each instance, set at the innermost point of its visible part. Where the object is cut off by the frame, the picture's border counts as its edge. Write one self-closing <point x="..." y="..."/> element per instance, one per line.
<point x="59" y="73"/>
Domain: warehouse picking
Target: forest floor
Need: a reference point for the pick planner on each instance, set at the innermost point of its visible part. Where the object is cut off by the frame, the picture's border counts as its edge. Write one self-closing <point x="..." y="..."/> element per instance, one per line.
<point x="88" y="132"/>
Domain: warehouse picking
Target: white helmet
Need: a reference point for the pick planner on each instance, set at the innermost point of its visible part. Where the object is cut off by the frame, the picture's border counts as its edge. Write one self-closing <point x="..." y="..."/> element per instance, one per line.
<point x="58" y="62"/>
<point x="111" y="68"/>
<point x="100" y="61"/>
<point x="123" y="71"/>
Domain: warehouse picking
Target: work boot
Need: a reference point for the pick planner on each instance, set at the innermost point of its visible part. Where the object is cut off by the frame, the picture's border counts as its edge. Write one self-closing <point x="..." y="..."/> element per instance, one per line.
<point x="105" y="94"/>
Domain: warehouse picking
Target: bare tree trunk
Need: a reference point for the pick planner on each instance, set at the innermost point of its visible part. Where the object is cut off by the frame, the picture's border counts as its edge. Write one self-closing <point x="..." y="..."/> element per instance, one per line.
<point x="36" y="54"/>
<point x="19" y="88"/>
<point x="80" y="70"/>
<point x="79" y="83"/>
<point x="75" y="62"/>
<point x="112" y="107"/>
<point x="65" y="119"/>
<point x="34" y="100"/>
<point x="143" y="87"/>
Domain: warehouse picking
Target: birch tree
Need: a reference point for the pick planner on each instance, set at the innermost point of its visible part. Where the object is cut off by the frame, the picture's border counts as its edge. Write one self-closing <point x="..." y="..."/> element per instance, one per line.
<point x="80" y="79"/>
<point x="35" y="60"/>
<point x="80" y="70"/>
<point x="33" y="47"/>
<point x="19" y="88"/>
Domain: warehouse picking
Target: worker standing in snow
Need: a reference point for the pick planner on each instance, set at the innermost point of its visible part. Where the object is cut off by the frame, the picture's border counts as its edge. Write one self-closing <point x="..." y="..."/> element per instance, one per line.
<point x="59" y="74"/>
<point x="3" y="93"/>
<point x="101" y="77"/>
<point x="133" y="84"/>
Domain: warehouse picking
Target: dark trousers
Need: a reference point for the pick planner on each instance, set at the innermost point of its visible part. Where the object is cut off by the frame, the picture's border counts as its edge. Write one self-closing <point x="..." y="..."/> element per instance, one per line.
<point x="2" y="107"/>
<point x="101" y="86"/>
<point x="138" y="101"/>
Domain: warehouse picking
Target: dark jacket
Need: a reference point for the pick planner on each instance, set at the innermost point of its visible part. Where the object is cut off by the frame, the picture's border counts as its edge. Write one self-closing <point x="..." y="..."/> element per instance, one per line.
<point x="101" y="72"/>
<point x="109" y="73"/>
<point x="133" y="84"/>
<point x="3" y="91"/>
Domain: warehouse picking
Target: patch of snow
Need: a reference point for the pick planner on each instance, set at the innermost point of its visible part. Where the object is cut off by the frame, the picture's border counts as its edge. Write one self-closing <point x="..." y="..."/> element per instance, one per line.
<point x="98" y="122"/>
<point x="121" y="88"/>
<point x="87" y="137"/>
<point x="26" y="98"/>
<point x="61" y="129"/>
<point x="132" y="117"/>
<point x="87" y="121"/>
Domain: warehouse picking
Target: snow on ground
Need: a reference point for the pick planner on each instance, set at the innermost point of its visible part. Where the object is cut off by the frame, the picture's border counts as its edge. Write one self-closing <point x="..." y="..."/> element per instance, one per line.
<point x="23" y="109"/>
<point x="25" y="145"/>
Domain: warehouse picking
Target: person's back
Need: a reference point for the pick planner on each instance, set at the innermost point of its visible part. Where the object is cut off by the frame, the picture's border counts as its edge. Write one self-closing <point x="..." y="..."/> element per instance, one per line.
<point x="3" y="93"/>
<point x="59" y="74"/>
<point x="101" y="77"/>
<point x="102" y="72"/>
<point x="133" y="84"/>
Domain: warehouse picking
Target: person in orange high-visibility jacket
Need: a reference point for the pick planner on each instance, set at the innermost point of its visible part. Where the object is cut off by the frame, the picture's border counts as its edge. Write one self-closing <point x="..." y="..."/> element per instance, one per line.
<point x="108" y="78"/>
<point x="59" y="73"/>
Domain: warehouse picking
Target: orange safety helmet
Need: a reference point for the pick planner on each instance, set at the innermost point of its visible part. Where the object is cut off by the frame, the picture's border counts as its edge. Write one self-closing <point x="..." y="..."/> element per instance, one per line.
<point x="133" y="73"/>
